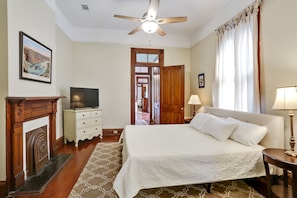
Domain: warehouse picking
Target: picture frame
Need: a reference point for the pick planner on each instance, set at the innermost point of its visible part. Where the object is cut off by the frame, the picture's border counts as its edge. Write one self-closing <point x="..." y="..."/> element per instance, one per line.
<point x="35" y="60"/>
<point x="201" y="80"/>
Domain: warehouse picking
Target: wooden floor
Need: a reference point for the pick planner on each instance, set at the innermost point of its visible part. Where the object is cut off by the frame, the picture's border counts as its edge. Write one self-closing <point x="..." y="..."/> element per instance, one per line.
<point x="62" y="183"/>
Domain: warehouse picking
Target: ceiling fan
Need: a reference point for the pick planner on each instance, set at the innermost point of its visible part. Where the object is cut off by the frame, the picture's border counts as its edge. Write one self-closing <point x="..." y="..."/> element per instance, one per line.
<point x="150" y="21"/>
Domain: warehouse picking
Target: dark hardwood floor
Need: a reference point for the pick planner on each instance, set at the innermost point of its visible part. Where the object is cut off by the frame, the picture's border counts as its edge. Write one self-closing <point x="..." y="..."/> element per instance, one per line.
<point x="61" y="185"/>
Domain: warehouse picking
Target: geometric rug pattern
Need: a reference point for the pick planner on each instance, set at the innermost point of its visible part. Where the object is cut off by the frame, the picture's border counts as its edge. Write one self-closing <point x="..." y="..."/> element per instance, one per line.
<point x="97" y="178"/>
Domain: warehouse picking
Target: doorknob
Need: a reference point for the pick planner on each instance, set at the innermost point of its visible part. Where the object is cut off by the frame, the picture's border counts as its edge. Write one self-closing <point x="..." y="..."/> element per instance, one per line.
<point x="182" y="109"/>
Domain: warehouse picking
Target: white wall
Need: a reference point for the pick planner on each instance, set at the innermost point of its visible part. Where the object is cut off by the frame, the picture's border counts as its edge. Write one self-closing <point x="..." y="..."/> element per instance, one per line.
<point x="203" y="61"/>
<point x="278" y="56"/>
<point x="36" y="19"/>
<point x="3" y="85"/>
<point x="278" y="53"/>
<point x="107" y="67"/>
<point x="63" y="75"/>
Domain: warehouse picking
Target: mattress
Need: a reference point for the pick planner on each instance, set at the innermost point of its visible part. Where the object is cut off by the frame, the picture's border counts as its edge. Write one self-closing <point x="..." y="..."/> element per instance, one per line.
<point x="177" y="154"/>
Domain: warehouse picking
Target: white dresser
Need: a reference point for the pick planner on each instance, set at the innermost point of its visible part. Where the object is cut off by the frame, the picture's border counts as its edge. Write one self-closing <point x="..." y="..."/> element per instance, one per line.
<point x="81" y="124"/>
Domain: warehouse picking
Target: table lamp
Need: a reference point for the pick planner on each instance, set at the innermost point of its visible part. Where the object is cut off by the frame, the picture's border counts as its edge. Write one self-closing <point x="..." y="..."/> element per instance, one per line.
<point x="75" y="101"/>
<point x="194" y="100"/>
<point x="286" y="99"/>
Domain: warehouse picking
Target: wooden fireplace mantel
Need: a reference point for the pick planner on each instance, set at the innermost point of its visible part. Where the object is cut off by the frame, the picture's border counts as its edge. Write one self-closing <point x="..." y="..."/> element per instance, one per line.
<point x="18" y="111"/>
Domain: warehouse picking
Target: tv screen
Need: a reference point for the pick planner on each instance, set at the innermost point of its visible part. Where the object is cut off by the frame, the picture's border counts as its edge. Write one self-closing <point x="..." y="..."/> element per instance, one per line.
<point x="84" y="97"/>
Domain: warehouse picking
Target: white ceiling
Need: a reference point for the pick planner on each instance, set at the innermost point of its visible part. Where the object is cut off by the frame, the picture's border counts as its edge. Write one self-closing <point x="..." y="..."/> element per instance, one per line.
<point x="100" y="14"/>
<point x="99" y="23"/>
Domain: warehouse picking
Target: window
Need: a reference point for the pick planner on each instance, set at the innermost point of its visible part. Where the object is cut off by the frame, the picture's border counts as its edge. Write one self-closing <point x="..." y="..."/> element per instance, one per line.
<point x="141" y="70"/>
<point x="147" y="58"/>
<point x="236" y="84"/>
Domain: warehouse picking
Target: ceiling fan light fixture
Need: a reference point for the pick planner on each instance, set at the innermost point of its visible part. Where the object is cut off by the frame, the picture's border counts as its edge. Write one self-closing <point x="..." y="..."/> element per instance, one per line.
<point x="149" y="26"/>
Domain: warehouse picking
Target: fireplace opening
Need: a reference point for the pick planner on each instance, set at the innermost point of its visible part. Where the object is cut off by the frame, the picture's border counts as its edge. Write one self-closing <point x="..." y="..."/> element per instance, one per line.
<point x="39" y="166"/>
<point x="37" y="154"/>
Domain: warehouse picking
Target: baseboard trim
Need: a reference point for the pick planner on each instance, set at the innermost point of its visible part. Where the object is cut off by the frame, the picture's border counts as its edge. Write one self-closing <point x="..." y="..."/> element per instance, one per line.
<point x="3" y="191"/>
<point x="59" y="142"/>
<point x="112" y="132"/>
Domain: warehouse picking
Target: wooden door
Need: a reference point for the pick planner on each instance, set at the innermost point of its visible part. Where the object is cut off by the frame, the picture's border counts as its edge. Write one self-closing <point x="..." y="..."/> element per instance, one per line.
<point x="172" y="95"/>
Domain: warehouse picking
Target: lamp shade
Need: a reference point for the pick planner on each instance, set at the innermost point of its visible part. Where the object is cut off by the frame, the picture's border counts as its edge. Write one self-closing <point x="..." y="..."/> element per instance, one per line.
<point x="149" y="26"/>
<point x="285" y="99"/>
<point x="194" y="100"/>
<point x="75" y="98"/>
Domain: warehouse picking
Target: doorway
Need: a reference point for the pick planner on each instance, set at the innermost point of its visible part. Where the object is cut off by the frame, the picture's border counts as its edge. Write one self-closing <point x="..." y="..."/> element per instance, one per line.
<point x="157" y="92"/>
<point x="142" y="108"/>
<point x="145" y="85"/>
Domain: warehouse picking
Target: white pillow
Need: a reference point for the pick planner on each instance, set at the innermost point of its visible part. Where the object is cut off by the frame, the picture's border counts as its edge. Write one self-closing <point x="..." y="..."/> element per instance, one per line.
<point x="199" y="119"/>
<point x="247" y="133"/>
<point x="219" y="128"/>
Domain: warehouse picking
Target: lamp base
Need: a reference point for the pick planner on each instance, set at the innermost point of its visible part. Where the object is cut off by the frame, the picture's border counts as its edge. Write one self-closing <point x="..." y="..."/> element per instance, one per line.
<point x="291" y="153"/>
<point x="194" y="112"/>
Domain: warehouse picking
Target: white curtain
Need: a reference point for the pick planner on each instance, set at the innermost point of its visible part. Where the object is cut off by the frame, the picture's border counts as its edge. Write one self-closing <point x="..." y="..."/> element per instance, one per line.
<point x="236" y="84"/>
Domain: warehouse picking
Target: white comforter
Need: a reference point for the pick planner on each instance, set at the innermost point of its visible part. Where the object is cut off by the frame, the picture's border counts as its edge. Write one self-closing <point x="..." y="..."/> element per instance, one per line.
<point x="170" y="155"/>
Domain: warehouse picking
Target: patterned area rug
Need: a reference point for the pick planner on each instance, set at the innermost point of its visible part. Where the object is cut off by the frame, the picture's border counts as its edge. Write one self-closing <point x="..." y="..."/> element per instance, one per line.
<point x="99" y="173"/>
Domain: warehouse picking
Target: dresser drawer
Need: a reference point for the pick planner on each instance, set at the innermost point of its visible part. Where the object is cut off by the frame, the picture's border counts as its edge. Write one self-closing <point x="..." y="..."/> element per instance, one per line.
<point x="83" y="123"/>
<point x="89" y="132"/>
<point x="96" y="121"/>
<point x="95" y="114"/>
<point x="88" y="122"/>
<point x="95" y="129"/>
<point x="82" y="115"/>
<point x="82" y="132"/>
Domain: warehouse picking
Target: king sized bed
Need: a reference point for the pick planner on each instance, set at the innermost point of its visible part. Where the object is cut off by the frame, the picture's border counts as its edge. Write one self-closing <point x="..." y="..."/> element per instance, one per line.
<point x="217" y="145"/>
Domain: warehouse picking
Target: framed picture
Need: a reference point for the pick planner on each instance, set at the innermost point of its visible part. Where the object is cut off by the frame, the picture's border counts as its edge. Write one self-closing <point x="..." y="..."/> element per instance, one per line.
<point x="35" y="60"/>
<point x="201" y="80"/>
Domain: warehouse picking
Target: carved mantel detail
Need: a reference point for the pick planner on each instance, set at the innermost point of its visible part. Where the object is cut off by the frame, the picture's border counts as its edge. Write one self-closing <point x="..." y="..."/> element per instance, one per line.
<point x="18" y="111"/>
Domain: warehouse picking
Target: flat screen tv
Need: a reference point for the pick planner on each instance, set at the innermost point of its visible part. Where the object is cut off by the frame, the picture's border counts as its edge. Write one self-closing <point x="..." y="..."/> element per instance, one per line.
<point x="84" y="97"/>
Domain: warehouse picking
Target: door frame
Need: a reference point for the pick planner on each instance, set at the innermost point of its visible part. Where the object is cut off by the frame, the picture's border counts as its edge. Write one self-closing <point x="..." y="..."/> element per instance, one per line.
<point x="134" y="51"/>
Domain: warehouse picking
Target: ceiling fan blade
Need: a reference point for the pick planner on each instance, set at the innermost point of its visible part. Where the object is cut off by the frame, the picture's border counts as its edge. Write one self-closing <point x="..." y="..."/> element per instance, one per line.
<point x="161" y="31"/>
<point x="127" y="17"/>
<point x="135" y="30"/>
<point x="171" y="20"/>
<point x="153" y="9"/>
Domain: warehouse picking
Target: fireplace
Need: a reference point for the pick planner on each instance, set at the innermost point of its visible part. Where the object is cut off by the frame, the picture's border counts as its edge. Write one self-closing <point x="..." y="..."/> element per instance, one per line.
<point x="37" y="154"/>
<point x="20" y="110"/>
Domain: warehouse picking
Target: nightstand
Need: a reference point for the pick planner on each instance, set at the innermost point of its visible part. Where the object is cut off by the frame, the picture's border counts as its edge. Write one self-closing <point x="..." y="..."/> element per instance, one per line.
<point x="278" y="158"/>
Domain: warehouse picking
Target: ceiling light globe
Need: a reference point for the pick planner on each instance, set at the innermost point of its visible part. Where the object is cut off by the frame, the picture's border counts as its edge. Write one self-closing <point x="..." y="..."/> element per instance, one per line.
<point x="149" y="26"/>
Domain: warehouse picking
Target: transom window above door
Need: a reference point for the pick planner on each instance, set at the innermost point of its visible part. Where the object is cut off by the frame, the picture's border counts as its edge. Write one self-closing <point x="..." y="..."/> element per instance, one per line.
<point x="147" y="58"/>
